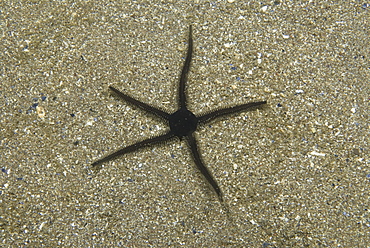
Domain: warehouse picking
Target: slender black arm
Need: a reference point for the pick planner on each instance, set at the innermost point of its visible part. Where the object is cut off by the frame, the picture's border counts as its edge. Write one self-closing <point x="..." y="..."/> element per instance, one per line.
<point x="140" y="104"/>
<point x="216" y="113"/>
<point x="134" y="147"/>
<point x="198" y="161"/>
<point x="185" y="71"/>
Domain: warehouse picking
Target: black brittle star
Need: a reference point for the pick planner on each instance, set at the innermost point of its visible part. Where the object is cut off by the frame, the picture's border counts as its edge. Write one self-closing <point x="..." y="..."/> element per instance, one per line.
<point x="182" y="123"/>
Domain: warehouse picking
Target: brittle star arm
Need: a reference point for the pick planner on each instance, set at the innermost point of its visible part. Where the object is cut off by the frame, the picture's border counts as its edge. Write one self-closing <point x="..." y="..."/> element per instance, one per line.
<point x="225" y="111"/>
<point x="185" y="71"/>
<point x="134" y="147"/>
<point x="203" y="169"/>
<point x="140" y="104"/>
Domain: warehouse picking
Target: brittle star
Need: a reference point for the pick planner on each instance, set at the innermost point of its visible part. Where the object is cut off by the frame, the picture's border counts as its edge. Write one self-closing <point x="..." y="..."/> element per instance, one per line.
<point x="183" y="123"/>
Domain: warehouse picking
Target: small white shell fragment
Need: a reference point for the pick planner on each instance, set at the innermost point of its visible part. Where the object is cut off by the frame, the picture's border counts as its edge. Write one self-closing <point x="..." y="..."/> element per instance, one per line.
<point x="253" y="222"/>
<point x="228" y="44"/>
<point x="318" y="154"/>
<point x="353" y="110"/>
<point x="40" y="111"/>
